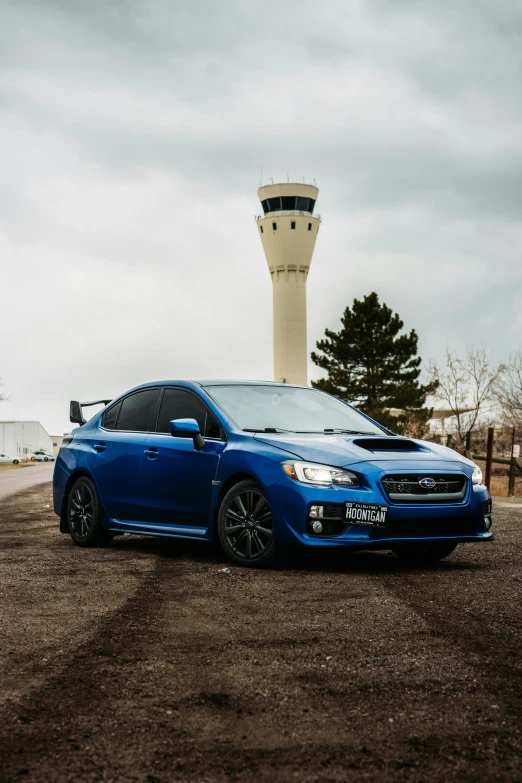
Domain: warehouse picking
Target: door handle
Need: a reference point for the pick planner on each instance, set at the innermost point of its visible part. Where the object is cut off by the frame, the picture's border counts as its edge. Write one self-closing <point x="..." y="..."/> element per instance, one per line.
<point x="99" y="447"/>
<point x="151" y="453"/>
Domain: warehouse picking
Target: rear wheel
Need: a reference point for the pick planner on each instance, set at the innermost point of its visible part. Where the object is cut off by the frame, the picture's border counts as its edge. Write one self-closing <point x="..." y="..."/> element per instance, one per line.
<point x="423" y="554"/>
<point x="83" y="515"/>
<point x="245" y="525"/>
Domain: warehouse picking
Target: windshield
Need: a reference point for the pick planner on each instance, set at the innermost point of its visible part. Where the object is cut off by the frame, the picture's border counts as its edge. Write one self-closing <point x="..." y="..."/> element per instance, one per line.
<point x="288" y="408"/>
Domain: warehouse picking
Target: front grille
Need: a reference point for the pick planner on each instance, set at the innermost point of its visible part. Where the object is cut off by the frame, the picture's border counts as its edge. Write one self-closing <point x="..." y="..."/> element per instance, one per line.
<point x="420" y="528"/>
<point x="403" y="489"/>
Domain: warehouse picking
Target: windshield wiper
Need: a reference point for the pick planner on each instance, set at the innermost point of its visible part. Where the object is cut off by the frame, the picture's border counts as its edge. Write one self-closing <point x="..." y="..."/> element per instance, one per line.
<point x="333" y="432"/>
<point x="265" y="429"/>
<point x="329" y="430"/>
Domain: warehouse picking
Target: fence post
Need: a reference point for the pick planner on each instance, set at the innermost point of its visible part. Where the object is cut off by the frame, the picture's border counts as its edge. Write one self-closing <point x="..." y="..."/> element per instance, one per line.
<point x="468" y="444"/>
<point x="489" y="456"/>
<point x="511" y="490"/>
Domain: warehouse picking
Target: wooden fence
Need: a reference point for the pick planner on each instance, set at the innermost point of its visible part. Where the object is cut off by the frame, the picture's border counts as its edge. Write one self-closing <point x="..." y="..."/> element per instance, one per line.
<point x="514" y="464"/>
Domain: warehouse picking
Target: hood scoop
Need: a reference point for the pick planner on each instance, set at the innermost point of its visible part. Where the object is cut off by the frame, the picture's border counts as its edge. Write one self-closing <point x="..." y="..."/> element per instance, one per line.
<point x="388" y="444"/>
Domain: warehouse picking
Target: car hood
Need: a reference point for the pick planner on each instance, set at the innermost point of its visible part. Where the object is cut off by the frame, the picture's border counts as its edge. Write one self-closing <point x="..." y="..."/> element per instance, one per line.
<point x="345" y="451"/>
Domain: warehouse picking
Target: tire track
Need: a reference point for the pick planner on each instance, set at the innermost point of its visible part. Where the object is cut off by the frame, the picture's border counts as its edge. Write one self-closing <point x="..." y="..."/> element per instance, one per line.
<point x="36" y="732"/>
<point x="487" y="638"/>
<point x="333" y="668"/>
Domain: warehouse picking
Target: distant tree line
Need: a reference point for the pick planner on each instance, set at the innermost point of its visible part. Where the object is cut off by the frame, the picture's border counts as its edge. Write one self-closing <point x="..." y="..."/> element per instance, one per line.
<point x="373" y="364"/>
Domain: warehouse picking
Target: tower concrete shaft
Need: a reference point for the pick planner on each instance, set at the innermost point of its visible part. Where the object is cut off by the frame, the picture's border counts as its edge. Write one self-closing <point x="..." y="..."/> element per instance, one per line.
<point x="288" y="231"/>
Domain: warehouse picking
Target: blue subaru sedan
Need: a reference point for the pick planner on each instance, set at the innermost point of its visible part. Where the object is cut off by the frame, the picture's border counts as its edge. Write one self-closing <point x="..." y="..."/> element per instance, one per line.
<point x="259" y="466"/>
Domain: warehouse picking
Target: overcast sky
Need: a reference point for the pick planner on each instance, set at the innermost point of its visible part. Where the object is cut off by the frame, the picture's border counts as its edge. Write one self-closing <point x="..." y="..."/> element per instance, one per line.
<point x="131" y="138"/>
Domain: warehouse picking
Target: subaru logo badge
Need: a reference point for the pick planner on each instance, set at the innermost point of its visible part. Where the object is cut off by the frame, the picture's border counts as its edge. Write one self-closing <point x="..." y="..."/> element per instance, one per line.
<point x="427" y="483"/>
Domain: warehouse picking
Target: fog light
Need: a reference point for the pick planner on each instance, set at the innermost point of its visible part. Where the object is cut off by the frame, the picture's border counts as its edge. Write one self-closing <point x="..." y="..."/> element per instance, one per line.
<point x="487" y="521"/>
<point x="317" y="526"/>
<point x="316" y="512"/>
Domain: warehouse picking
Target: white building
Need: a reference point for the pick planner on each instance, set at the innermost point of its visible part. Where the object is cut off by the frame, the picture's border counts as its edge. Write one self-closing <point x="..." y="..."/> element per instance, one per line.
<point x="57" y="443"/>
<point x="288" y="230"/>
<point x="22" y="438"/>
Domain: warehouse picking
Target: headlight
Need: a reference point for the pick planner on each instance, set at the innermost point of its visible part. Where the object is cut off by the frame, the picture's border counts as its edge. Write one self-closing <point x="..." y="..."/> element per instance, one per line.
<point x="476" y="478"/>
<point x="320" y="475"/>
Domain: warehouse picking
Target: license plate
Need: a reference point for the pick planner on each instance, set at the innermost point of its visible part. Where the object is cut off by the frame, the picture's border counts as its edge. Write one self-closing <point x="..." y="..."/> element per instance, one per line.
<point x="368" y="514"/>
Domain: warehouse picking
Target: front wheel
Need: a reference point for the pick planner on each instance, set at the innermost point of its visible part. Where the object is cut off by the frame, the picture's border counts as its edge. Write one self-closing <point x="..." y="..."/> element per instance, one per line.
<point x="423" y="554"/>
<point x="83" y="515"/>
<point x="245" y="525"/>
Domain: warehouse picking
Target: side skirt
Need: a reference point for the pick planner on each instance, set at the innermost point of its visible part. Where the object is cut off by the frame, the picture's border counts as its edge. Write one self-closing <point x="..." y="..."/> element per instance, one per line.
<point x="139" y="528"/>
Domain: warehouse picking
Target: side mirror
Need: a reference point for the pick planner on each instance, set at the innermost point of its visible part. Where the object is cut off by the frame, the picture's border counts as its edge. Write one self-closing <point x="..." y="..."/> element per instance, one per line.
<point x="187" y="428"/>
<point x="75" y="413"/>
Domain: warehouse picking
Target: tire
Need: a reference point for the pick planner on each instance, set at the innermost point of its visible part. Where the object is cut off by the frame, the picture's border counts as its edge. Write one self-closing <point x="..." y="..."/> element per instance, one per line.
<point x="46" y="459"/>
<point x="424" y="554"/>
<point x="245" y="525"/>
<point x="16" y="461"/>
<point x="83" y="515"/>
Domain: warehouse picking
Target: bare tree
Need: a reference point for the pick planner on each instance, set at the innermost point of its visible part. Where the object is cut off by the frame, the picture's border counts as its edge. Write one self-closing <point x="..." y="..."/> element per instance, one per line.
<point x="466" y="387"/>
<point x="508" y="391"/>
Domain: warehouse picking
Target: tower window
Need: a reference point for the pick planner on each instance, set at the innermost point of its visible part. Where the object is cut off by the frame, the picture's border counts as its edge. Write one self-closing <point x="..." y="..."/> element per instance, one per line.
<point x="261" y="229"/>
<point x="292" y="224"/>
<point x="274" y="226"/>
<point x="309" y="227"/>
<point x="288" y="202"/>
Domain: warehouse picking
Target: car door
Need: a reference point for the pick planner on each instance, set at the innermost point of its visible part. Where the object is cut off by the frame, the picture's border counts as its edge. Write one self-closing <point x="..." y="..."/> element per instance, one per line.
<point x="116" y="452"/>
<point x="176" y="478"/>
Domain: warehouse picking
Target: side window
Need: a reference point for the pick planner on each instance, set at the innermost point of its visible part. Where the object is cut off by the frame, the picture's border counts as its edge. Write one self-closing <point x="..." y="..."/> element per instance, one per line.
<point x="180" y="404"/>
<point x="110" y="417"/>
<point x="136" y="410"/>
<point x="213" y="428"/>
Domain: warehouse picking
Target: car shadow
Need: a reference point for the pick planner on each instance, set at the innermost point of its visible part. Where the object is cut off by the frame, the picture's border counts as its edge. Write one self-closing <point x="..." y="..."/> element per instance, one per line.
<point x="319" y="559"/>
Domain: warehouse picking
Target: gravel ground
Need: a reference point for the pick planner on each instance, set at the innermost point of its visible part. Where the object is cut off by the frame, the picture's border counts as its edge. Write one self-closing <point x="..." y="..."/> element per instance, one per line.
<point x="143" y="661"/>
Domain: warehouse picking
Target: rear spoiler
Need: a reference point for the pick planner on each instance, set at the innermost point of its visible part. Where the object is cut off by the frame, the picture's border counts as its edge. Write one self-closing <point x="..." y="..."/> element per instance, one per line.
<point x="76" y="412"/>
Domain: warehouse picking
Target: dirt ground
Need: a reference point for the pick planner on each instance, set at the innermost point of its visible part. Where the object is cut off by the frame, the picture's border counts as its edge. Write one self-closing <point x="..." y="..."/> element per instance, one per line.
<point x="144" y="662"/>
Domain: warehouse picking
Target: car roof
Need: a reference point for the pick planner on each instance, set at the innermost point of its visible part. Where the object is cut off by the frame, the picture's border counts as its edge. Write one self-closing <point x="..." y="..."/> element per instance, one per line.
<point x="226" y="382"/>
<point x="191" y="384"/>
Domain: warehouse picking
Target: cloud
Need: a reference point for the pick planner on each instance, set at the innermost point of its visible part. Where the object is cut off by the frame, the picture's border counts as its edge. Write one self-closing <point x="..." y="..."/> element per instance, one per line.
<point x="132" y="136"/>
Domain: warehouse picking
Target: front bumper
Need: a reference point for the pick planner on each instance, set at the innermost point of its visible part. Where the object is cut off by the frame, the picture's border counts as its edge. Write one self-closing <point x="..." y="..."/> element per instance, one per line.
<point x="463" y="521"/>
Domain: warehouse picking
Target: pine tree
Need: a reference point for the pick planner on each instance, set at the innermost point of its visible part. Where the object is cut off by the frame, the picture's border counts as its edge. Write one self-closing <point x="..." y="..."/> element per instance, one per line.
<point x="373" y="367"/>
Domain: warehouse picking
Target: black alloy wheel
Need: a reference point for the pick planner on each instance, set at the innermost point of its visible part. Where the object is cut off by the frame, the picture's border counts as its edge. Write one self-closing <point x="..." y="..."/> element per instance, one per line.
<point x="83" y="517"/>
<point x="245" y="525"/>
<point x="424" y="554"/>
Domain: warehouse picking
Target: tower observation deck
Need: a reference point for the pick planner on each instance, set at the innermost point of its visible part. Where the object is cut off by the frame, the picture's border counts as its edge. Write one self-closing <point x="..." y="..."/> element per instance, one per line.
<point x="288" y="230"/>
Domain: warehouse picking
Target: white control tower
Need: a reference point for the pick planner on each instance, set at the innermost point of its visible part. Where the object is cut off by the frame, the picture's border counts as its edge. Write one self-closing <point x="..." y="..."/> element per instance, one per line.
<point x="288" y="232"/>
